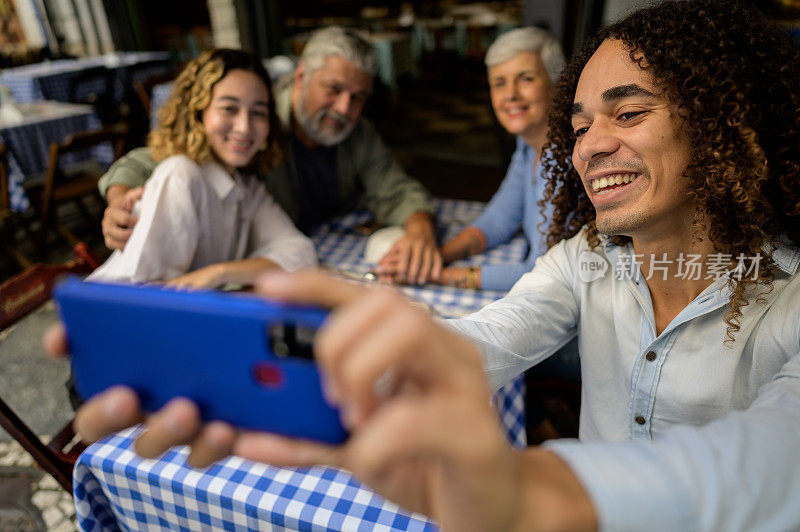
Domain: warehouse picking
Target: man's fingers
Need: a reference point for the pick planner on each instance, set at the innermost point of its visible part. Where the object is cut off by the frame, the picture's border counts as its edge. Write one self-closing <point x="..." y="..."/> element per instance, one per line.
<point x="118" y="216"/>
<point x="117" y="233"/>
<point x="414" y="262"/>
<point x="117" y="227"/>
<point x="280" y="451"/>
<point x="54" y="340"/>
<point x="214" y="443"/>
<point x="112" y="410"/>
<point x="403" y="429"/>
<point x="425" y="267"/>
<point x="177" y="423"/>
<point x="310" y="287"/>
<point x="347" y="326"/>
<point x="436" y="270"/>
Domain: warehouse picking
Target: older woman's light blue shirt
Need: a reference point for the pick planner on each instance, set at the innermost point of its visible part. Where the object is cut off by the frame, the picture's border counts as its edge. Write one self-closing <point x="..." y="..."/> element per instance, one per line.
<point x="706" y="434"/>
<point x="515" y="205"/>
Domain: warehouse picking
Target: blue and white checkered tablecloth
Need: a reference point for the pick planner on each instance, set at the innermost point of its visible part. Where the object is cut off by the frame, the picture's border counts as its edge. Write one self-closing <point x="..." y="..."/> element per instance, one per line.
<point x="117" y="490"/>
<point x="28" y="142"/>
<point x="341" y="247"/>
<point x="50" y="80"/>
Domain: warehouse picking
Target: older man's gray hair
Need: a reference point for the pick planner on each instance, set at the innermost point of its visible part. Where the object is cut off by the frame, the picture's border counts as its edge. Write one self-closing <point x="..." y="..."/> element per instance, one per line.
<point x="531" y="39"/>
<point x="344" y="42"/>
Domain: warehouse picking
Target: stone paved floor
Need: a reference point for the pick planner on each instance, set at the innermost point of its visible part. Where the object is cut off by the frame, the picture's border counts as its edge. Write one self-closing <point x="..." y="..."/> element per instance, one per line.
<point x="31" y="384"/>
<point x="33" y="499"/>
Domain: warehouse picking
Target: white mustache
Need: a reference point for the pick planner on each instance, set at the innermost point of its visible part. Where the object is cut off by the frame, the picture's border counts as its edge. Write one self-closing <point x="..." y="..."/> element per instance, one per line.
<point x="337" y="117"/>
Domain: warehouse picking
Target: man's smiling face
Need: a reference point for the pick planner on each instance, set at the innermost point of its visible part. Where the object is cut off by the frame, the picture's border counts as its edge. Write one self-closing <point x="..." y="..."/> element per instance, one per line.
<point x="630" y="149"/>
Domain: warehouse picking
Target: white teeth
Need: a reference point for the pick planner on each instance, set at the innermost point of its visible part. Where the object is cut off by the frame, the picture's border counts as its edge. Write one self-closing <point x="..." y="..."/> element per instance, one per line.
<point x="614" y="179"/>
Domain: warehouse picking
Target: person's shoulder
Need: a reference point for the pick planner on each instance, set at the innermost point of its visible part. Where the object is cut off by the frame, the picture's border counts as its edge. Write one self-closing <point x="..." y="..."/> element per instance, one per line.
<point x="577" y="249"/>
<point x="179" y="162"/>
<point x="364" y="129"/>
<point x="142" y="155"/>
<point x="178" y="167"/>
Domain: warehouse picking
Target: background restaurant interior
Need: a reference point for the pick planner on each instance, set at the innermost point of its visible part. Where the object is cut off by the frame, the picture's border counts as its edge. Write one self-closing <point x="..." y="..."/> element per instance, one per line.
<point x="430" y="104"/>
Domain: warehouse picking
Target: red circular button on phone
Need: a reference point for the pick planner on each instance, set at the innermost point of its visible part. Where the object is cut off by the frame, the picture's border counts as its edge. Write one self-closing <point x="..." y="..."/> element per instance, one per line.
<point x="268" y="375"/>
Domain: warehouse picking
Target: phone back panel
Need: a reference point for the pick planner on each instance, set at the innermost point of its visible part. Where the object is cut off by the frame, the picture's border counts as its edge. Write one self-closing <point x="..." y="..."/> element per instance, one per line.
<point x="210" y="347"/>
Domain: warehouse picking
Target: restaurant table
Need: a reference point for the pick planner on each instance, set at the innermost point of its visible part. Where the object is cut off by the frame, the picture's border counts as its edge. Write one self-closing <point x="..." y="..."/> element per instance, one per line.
<point x="49" y="80"/>
<point x="28" y="141"/>
<point x="117" y="490"/>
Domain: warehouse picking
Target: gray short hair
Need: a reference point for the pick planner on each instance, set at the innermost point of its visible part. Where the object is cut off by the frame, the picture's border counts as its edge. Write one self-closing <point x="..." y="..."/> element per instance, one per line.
<point x="528" y="39"/>
<point x="347" y="43"/>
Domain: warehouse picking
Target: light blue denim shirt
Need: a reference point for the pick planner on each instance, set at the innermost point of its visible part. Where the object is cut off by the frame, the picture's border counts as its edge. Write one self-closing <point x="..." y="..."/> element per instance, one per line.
<point x="707" y="434"/>
<point x="514" y="205"/>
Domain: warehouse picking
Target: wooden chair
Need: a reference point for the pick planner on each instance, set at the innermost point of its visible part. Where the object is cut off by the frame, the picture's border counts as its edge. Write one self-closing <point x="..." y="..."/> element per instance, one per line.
<point x="8" y="218"/>
<point x="21" y="295"/>
<point x="72" y="182"/>
<point x="139" y="102"/>
<point x="143" y="89"/>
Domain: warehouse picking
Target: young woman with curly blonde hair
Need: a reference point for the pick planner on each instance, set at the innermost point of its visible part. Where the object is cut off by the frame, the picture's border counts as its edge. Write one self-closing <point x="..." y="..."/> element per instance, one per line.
<point x="204" y="218"/>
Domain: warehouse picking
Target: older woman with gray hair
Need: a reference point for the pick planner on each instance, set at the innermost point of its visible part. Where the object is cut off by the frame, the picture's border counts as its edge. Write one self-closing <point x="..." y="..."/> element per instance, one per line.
<point x="523" y="66"/>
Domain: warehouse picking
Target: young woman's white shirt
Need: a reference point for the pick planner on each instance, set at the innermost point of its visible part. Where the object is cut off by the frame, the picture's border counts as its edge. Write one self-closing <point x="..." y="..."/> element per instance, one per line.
<point x="194" y="215"/>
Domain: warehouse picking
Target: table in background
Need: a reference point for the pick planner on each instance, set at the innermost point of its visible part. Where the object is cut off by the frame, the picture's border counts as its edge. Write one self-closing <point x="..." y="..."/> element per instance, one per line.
<point x="50" y="80"/>
<point x="117" y="490"/>
<point x="28" y="141"/>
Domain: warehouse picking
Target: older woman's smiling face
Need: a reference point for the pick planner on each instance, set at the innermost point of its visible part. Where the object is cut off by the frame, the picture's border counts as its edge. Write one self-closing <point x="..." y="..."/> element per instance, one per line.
<point x="521" y="94"/>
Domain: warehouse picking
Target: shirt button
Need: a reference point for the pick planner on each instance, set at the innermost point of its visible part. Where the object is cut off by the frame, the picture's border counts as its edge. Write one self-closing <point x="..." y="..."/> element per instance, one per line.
<point x="650" y="356"/>
<point x="640" y="420"/>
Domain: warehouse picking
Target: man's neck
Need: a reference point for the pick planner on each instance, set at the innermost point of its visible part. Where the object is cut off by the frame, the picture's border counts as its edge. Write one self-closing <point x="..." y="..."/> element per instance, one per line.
<point x="675" y="267"/>
<point x="301" y="135"/>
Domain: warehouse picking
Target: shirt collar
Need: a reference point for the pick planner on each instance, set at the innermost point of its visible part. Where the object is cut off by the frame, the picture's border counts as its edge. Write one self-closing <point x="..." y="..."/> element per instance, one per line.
<point x="786" y="256"/>
<point x="222" y="182"/>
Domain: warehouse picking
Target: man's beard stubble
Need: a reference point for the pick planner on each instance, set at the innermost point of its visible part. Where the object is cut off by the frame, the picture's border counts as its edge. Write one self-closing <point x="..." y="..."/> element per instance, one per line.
<point x="312" y="125"/>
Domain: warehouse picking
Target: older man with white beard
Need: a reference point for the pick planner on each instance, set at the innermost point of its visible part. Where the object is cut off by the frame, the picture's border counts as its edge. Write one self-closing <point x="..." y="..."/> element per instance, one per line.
<point x="335" y="157"/>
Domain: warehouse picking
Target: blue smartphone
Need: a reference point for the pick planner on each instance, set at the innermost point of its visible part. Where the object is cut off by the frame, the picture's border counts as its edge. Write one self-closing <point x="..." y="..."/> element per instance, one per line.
<point x="241" y="358"/>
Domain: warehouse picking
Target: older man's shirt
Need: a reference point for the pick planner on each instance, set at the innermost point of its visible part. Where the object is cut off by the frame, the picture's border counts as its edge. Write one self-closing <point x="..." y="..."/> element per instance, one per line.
<point x="641" y="386"/>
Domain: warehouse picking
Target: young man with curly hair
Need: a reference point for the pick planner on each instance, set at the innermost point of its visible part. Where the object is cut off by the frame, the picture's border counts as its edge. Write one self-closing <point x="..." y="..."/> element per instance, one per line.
<point x="673" y="152"/>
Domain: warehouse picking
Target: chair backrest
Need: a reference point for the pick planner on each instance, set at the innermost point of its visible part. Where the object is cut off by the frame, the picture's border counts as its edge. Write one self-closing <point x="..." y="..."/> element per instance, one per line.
<point x="25" y="292"/>
<point x="144" y="87"/>
<point x="115" y="134"/>
<point x="20" y="296"/>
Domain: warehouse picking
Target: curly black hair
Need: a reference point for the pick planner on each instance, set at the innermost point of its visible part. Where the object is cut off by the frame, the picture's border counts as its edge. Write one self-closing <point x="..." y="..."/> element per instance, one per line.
<point x="735" y="78"/>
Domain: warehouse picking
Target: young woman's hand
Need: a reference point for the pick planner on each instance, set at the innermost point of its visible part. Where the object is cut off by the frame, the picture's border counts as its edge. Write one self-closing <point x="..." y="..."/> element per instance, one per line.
<point x="209" y="277"/>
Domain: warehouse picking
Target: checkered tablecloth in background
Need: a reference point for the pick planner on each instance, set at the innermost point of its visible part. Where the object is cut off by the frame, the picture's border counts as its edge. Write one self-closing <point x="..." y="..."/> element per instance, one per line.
<point x="50" y="80"/>
<point x="116" y="490"/>
<point x="28" y="142"/>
